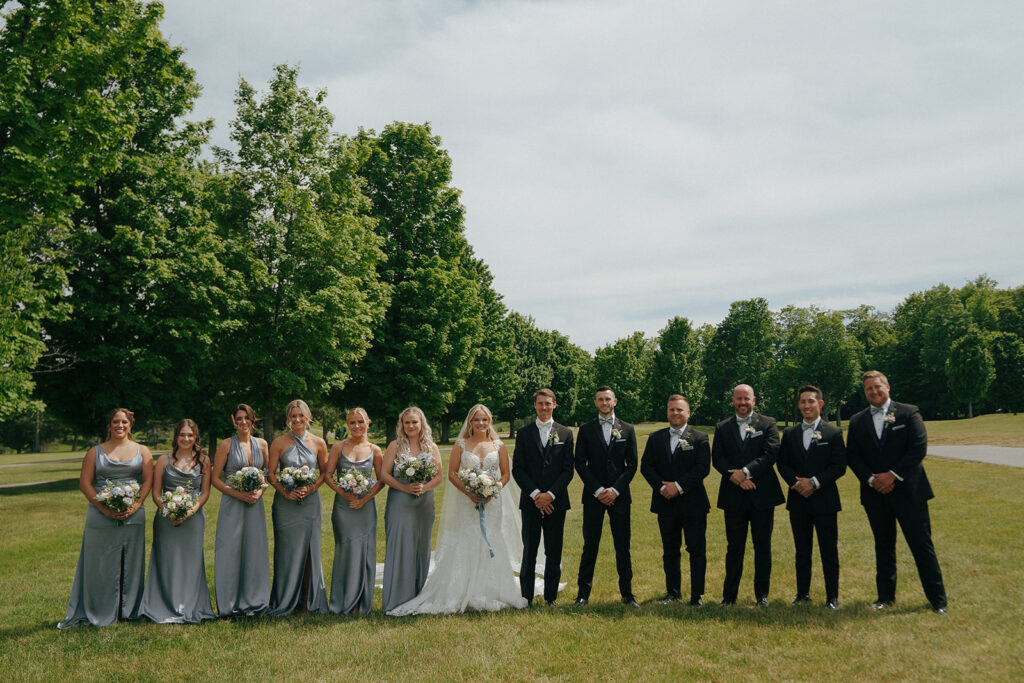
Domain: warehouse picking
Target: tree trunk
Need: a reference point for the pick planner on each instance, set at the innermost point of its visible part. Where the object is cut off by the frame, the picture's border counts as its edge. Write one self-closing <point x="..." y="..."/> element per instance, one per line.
<point x="268" y="425"/>
<point x="37" y="433"/>
<point x="74" y="442"/>
<point x="446" y="425"/>
<point x="511" y="428"/>
<point x="970" y="412"/>
<point x="389" y="429"/>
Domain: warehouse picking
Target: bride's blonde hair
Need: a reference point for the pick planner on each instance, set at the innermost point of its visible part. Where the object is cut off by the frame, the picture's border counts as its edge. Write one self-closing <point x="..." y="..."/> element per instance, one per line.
<point x="426" y="436"/>
<point x="467" y="426"/>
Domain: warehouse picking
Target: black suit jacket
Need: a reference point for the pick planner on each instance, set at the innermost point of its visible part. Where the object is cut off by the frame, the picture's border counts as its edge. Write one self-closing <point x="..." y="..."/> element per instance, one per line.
<point x="688" y="465"/>
<point x="547" y="467"/>
<point x="824" y="459"/>
<point x="757" y="453"/>
<point x="903" y="445"/>
<point x="609" y="465"/>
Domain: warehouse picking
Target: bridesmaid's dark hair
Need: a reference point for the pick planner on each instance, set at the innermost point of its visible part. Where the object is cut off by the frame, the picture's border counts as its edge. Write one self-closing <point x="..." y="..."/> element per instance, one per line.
<point x="197" y="451"/>
<point x="129" y="414"/>
<point x="244" y="408"/>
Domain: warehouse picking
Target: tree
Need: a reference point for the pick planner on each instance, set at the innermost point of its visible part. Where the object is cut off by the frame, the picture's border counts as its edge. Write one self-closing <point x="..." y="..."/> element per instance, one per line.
<point x="740" y="352"/>
<point x="301" y="251"/>
<point x="143" y="285"/>
<point x="676" y="366"/>
<point x="625" y="366"/>
<point x="425" y="346"/>
<point x="1007" y="390"/>
<point x="70" y="87"/>
<point x="817" y="349"/>
<point x="970" y="368"/>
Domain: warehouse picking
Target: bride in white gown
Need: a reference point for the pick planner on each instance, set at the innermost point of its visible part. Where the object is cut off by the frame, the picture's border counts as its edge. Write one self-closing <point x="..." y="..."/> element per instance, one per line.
<point x="464" y="575"/>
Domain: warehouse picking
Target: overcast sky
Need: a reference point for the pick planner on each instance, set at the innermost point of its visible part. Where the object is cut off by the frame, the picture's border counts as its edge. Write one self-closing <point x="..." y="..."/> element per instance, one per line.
<point x="622" y="163"/>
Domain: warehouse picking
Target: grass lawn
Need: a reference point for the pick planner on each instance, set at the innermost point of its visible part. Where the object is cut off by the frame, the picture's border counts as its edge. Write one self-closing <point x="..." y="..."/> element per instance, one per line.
<point x="976" y="526"/>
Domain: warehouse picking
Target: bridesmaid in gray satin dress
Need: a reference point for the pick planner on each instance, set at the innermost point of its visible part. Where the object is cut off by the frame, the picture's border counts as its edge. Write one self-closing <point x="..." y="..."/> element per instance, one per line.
<point x="109" y="577"/>
<point x="355" y="519"/>
<point x="409" y="514"/>
<point x="298" y="571"/>
<point x="176" y="590"/>
<point x="242" y="555"/>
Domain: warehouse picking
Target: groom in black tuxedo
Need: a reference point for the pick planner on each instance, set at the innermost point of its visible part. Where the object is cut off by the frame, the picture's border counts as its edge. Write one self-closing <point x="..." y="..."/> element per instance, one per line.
<point x="744" y="452"/>
<point x="812" y="457"/>
<point x="542" y="466"/>
<point x="606" y="462"/>
<point x="885" y="446"/>
<point x="676" y="461"/>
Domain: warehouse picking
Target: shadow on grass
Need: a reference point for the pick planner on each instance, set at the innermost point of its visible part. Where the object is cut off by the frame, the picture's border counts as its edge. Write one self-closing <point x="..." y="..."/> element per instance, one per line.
<point x="58" y="486"/>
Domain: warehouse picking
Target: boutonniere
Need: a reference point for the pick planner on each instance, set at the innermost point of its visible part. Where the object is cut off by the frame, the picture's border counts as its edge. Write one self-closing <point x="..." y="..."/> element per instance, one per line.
<point x="750" y="429"/>
<point x="616" y="434"/>
<point x="889" y="418"/>
<point x="683" y="443"/>
<point x="815" y="435"/>
<point x="553" y="439"/>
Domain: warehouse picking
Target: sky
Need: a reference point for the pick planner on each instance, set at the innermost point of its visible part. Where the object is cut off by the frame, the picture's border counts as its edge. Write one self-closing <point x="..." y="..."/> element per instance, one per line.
<point x="623" y="163"/>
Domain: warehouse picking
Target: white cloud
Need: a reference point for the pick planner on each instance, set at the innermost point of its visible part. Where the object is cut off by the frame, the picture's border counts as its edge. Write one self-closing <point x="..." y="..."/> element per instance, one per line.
<point x="622" y="163"/>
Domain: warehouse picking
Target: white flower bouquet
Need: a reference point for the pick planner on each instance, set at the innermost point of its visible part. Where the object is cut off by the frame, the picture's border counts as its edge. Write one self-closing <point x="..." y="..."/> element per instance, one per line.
<point x="118" y="496"/>
<point x="415" y="469"/>
<point x="479" y="481"/>
<point x="247" y="480"/>
<point x="178" y="503"/>
<point x="354" y="481"/>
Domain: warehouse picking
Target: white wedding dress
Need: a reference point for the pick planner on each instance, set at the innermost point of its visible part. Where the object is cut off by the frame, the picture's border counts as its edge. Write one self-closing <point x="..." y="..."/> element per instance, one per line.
<point x="463" y="575"/>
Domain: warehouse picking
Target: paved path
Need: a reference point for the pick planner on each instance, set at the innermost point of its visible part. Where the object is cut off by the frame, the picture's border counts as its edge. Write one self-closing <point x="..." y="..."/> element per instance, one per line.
<point x="996" y="455"/>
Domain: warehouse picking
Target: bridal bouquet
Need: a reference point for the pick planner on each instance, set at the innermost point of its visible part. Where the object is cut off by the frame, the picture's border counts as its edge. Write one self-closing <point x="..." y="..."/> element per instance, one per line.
<point x="292" y="478"/>
<point x="354" y="482"/>
<point x="179" y="502"/>
<point x="415" y="469"/>
<point x="479" y="481"/>
<point x="118" y="496"/>
<point x="247" y="480"/>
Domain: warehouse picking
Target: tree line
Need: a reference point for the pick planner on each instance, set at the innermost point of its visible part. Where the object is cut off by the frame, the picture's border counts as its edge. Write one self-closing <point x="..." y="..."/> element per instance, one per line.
<point x="140" y="267"/>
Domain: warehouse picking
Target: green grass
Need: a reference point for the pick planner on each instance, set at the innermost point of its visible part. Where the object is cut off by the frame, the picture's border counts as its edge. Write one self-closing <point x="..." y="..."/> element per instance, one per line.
<point x="976" y="526"/>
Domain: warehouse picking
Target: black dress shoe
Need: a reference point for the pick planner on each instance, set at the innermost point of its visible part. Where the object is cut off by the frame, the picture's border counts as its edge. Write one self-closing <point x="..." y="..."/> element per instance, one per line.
<point x="630" y="601"/>
<point x="833" y="603"/>
<point x="802" y="600"/>
<point x="762" y="601"/>
<point x="550" y="603"/>
<point x="880" y="605"/>
<point x="696" y="602"/>
<point x="727" y="603"/>
<point x="669" y="599"/>
<point x="939" y="610"/>
<point x="581" y="602"/>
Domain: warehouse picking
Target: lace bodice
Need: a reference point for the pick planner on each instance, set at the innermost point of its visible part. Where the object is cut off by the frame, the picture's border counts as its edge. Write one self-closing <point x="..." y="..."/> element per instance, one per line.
<point x="488" y="462"/>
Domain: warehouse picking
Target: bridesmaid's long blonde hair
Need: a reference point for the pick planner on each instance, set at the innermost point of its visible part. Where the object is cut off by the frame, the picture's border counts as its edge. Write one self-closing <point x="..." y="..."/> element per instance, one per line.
<point x="426" y="436"/>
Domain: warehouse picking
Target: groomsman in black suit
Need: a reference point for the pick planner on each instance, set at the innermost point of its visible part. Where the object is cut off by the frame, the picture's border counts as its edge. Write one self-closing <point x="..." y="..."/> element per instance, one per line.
<point x="542" y="466"/>
<point x="606" y="462"/>
<point x="744" y="451"/>
<point x="886" y="444"/>
<point x="675" y="462"/>
<point x="811" y="459"/>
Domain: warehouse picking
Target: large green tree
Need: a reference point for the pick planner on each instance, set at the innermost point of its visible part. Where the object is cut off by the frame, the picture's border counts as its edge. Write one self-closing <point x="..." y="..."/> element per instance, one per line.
<point x="69" y="101"/>
<point x="970" y="368"/>
<point x="299" y="246"/>
<point x="425" y="346"/>
<point x="741" y="351"/>
<point x="676" y="366"/>
<point x="143" y="286"/>
<point x="1007" y="390"/>
<point x="625" y="365"/>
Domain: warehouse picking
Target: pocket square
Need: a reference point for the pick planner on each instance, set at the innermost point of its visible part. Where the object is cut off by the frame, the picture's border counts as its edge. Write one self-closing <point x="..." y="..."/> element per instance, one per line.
<point x="757" y="433"/>
<point x="898" y="427"/>
<point x="686" y="448"/>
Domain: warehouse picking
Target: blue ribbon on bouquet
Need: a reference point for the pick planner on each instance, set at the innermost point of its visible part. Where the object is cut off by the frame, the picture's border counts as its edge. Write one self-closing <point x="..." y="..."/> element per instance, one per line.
<point x="483" y="527"/>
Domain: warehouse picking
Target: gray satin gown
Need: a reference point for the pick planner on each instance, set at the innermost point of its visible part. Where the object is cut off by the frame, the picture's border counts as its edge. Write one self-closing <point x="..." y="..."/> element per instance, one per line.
<point x="408" y="524"/>
<point x="176" y="590"/>
<point x="112" y="561"/>
<point x="242" y="555"/>
<point x="296" y="541"/>
<point x="355" y="548"/>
